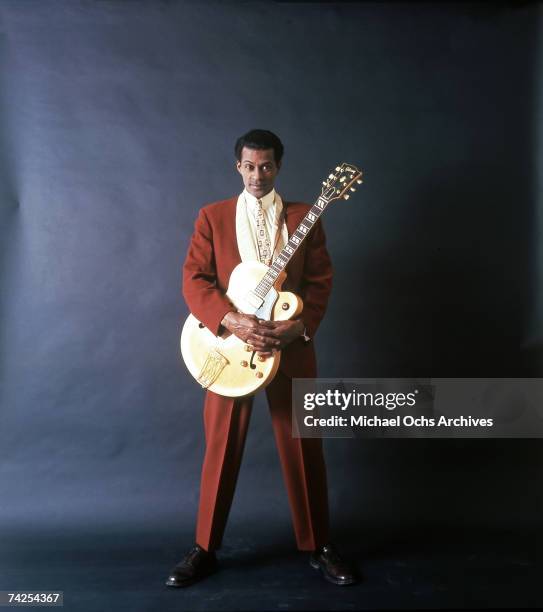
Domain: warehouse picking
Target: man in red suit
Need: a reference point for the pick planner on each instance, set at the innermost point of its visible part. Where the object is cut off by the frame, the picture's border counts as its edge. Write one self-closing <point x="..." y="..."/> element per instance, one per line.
<point x="256" y="225"/>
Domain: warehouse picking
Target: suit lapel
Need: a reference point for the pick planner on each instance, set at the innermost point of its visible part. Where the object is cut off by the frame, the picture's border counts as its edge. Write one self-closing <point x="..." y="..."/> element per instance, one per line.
<point x="228" y="228"/>
<point x="291" y="220"/>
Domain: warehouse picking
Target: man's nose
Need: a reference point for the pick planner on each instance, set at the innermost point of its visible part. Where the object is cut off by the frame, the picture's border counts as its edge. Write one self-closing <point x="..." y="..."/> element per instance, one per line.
<point x="258" y="173"/>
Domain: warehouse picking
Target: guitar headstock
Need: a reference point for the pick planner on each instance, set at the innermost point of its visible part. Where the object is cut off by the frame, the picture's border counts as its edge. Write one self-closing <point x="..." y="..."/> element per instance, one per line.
<point x="340" y="182"/>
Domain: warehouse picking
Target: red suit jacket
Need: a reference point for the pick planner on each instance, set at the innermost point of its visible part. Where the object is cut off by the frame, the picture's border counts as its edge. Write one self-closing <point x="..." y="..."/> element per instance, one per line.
<point x="213" y="254"/>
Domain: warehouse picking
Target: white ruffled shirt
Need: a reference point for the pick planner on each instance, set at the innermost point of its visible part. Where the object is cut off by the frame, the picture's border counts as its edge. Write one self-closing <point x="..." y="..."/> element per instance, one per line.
<point x="272" y="207"/>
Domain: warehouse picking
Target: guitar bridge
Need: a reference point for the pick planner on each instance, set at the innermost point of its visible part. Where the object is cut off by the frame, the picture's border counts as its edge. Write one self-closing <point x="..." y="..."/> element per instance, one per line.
<point x="213" y="366"/>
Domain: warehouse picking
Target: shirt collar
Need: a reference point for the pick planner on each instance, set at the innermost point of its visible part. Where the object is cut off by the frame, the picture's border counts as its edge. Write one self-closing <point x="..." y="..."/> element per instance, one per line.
<point x="267" y="200"/>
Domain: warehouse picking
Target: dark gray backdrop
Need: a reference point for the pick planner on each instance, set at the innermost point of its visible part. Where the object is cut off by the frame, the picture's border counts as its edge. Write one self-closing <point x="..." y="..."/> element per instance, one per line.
<point x="117" y="122"/>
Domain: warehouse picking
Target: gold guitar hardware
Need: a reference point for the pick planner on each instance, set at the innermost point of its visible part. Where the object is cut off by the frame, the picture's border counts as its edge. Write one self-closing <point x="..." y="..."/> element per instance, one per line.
<point x="213" y="365"/>
<point x="259" y="375"/>
<point x="248" y="348"/>
<point x="244" y="364"/>
<point x="261" y="358"/>
<point x="285" y="306"/>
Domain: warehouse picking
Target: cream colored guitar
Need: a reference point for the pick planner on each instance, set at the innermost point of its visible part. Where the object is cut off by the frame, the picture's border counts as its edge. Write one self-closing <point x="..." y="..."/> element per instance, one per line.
<point x="225" y="364"/>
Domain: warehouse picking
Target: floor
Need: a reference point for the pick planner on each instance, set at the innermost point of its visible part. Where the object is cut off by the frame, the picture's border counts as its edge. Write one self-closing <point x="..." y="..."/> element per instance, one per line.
<point x="403" y="569"/>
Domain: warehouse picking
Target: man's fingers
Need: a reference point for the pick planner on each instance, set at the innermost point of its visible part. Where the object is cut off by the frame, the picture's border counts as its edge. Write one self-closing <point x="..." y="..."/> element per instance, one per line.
<point x="267" y="340"/>
<point x="274" y="327"/>
<point x="261" y="343"/>
<point x="264" y="323"/>
<point x="256" y="341"/>
<point x="246" y="326"/>
<point x="242" y="321"/>
<point x="268" y="333"/>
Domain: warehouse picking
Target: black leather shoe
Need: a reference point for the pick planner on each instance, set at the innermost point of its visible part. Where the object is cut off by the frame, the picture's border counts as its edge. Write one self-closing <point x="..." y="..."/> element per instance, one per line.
<point x="197" y="564"/>
<point x="332" y="567"/>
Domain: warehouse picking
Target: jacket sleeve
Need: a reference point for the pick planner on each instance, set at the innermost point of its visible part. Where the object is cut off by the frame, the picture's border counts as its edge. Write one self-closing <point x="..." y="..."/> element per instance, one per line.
<point x="204" y="299"/>
<point x="316" y="283"/>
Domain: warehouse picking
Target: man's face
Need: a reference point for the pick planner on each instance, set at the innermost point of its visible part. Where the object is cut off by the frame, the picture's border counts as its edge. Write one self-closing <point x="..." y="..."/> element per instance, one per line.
<point x="258" y="170"/>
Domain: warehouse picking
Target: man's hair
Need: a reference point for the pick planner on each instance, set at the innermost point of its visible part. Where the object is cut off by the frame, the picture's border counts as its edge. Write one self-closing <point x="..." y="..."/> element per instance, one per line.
<point x="260" y="139"/>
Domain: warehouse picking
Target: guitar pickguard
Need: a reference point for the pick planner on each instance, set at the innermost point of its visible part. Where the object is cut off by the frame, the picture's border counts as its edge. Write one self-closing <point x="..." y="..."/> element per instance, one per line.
<point x="265" y="311"/>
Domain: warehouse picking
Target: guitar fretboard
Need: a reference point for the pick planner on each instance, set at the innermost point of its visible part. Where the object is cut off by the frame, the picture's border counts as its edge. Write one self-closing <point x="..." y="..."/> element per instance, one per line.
<point x="289" y="249"/>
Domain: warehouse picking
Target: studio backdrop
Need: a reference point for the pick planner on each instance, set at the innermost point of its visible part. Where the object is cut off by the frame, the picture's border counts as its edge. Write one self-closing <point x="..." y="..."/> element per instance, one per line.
<point x="117" y="123"/>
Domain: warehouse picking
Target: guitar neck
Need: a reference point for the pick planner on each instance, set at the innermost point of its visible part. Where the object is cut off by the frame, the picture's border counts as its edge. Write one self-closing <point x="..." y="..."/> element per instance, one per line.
<point x="291" y="247"/>
<point x="334" y="187"/>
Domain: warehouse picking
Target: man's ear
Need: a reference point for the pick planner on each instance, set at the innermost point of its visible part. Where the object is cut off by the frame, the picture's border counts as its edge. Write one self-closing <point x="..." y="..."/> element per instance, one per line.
<point x="238" y="166"/>
<point x="278" y="164"/>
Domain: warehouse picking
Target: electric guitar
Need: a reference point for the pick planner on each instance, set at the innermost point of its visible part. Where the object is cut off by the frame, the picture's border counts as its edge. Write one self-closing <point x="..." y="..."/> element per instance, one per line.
<point x="227" y="365"/>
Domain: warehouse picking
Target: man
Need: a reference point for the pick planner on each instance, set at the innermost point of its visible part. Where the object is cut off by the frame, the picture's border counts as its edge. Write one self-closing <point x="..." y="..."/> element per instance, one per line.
<point x="255" y="226"/>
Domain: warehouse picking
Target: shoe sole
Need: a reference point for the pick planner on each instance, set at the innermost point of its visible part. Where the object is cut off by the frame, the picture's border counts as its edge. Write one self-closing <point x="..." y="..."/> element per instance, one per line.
<point x="326" y="576"/>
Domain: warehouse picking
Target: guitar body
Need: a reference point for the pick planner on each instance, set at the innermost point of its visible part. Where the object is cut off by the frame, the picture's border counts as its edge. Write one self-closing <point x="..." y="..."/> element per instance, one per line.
<point x="225" y="364"/>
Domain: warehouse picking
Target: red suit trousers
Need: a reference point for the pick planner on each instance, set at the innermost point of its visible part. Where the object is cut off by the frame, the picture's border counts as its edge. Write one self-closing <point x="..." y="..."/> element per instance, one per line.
<point x="302" y="462"/>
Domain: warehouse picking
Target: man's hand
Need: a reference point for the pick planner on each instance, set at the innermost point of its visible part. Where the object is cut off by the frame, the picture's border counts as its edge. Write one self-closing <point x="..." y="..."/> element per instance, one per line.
<point x="249" y="329"/>
<point x="265" y="336"/>
<point x="283" y="331"/>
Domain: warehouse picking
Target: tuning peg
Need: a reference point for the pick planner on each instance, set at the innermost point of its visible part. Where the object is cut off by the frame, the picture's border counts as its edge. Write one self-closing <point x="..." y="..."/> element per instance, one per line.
<point x="353" y="189"/>
<point x="359" y="181"/>
<point x="324" y="183"/>
<point x="331" y="176"/>
<point x="346" y="196"/>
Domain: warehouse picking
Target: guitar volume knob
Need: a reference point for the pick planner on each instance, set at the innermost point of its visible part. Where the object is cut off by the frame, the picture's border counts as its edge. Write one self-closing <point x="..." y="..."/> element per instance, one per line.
<point x="285" y="305"/>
